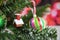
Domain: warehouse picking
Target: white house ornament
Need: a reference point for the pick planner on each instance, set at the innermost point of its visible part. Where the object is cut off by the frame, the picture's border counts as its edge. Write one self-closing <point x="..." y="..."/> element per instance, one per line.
<point x="18" y="21"/>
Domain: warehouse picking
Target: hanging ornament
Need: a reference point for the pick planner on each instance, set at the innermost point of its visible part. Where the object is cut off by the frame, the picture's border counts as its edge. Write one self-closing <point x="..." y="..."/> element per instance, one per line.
<point x="1" y="22"/>
<point x="37" y="23"/>
<point x="18" y="21"/>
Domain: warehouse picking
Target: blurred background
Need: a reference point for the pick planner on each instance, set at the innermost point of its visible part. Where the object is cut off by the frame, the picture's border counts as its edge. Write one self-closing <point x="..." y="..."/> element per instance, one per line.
<point x="18" y="21"/>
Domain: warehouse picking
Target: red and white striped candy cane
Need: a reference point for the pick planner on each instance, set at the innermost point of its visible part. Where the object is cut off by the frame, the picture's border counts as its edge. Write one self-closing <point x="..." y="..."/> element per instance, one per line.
<point x="34" y="6"/>
<point x="27" y="9"/>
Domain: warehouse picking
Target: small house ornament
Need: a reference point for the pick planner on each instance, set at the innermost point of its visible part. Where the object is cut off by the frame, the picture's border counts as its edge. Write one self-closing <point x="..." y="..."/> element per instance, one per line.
<point x="18" y="21"/>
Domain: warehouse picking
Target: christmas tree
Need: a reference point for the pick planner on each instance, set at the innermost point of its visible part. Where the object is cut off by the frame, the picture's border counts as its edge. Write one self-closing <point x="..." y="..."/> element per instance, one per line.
<point x="9" y="31"/>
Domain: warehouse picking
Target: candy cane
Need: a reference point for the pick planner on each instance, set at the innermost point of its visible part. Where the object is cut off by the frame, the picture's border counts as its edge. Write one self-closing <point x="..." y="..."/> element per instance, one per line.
<point x="34" y="6"/>
<point x="33" y="3"/>
<point x="27" y="9"/>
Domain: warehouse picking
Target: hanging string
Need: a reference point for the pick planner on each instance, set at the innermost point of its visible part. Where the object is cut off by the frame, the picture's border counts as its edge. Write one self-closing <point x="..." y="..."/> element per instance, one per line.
<point x="34" y="6"/>
<point x="25" y="10"/>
